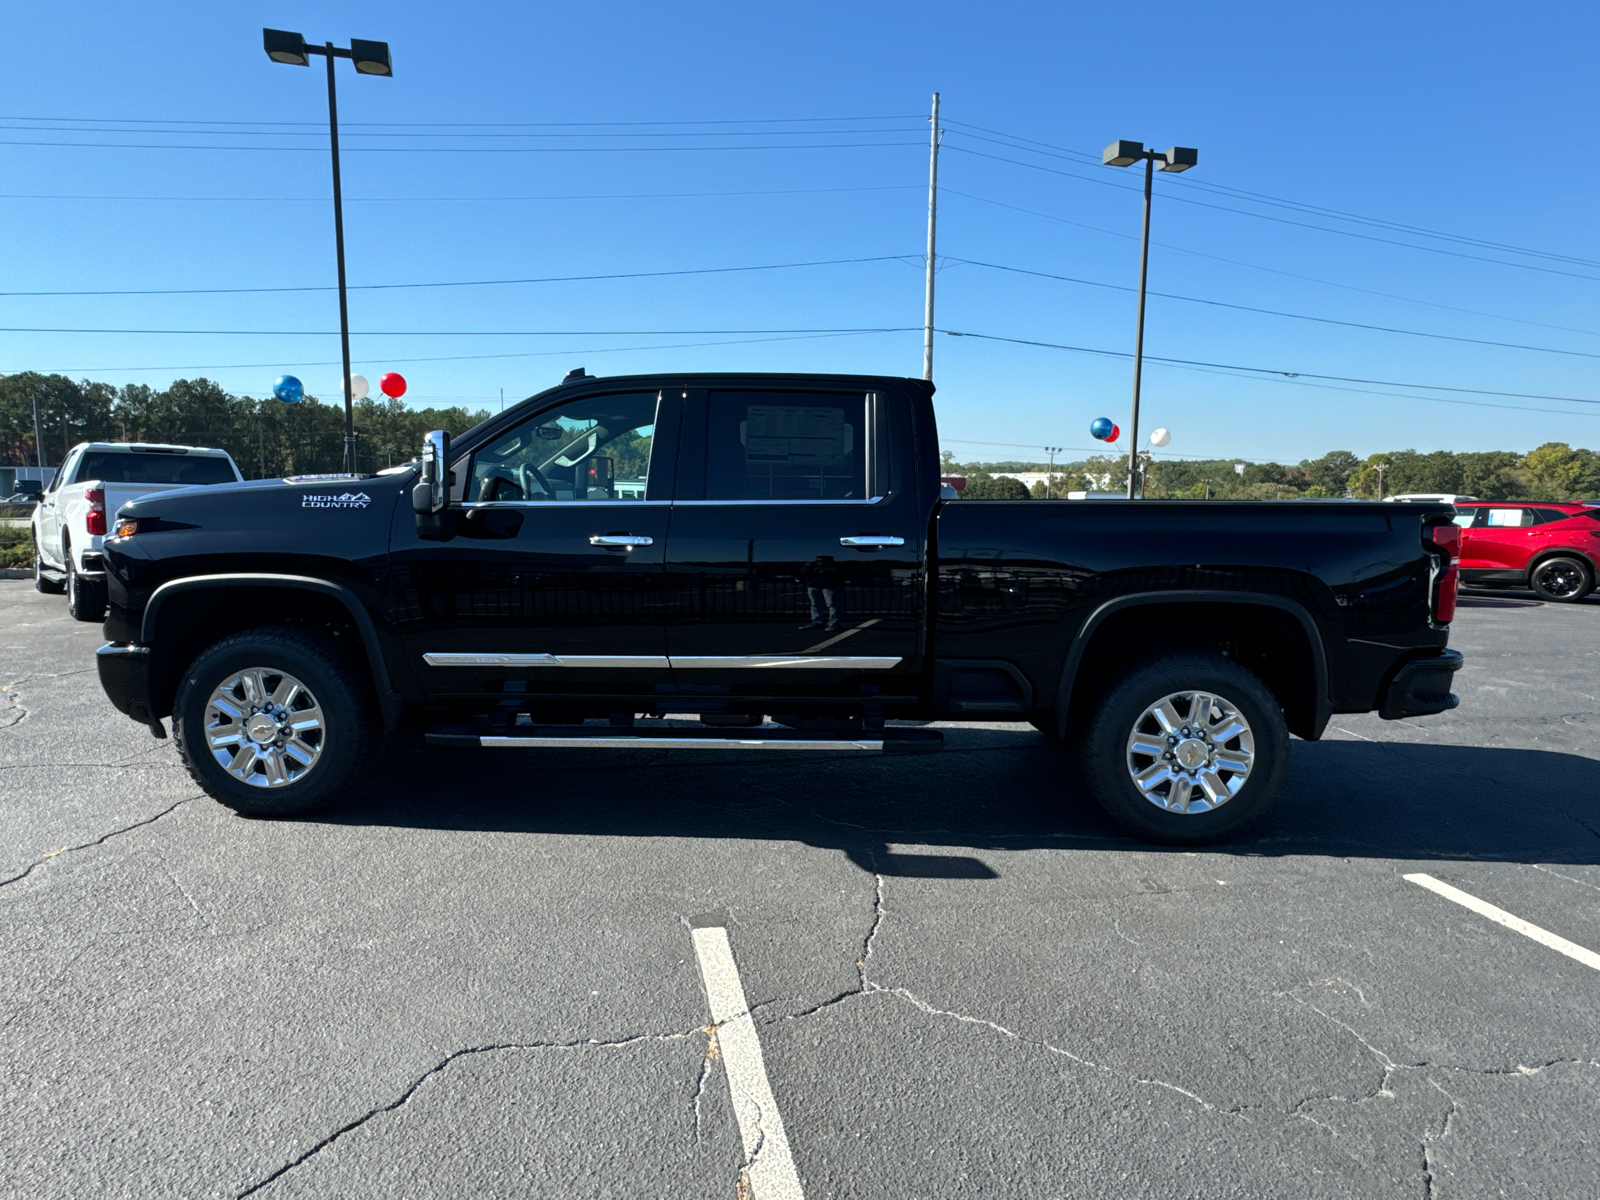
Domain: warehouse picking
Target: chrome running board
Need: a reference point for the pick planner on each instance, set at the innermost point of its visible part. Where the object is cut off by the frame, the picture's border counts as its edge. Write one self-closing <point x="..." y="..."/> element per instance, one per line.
<point x="601" y="737"/>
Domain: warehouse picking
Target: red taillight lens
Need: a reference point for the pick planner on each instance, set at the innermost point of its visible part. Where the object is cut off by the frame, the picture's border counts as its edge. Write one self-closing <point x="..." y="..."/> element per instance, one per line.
<point x="95" y="521"/>
<point x="1447" y="538"/>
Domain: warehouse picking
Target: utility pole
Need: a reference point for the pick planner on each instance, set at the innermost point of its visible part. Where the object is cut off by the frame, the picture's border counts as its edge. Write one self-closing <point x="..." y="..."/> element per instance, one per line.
<point x="1050" y="475"/>
<point x="933" y="216"/>
<point x="1382" y="469"/>
<point x="38" y="438"/>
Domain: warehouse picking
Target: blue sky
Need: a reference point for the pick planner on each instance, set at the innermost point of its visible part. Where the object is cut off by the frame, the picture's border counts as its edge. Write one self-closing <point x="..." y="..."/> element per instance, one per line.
<point x="1466" y="120"/>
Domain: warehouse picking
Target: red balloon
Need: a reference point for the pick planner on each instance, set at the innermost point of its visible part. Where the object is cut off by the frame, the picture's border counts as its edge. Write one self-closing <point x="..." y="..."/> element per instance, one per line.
<point x="393" y="385"/>
<point x="1115" y="433"/>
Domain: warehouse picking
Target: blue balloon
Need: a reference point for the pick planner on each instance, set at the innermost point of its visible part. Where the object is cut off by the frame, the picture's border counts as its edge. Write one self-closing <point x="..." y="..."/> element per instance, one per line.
<point x="288" y="389"/>
<point x="1101" y="427"/>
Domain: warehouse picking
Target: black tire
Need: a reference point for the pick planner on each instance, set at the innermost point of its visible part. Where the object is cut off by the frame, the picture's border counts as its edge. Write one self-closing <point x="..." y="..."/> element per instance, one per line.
<point x="1562" y="579"/>
<point x="86" y="598"/>
<point x="42" y="582"/>
<point x="344" y="740"/>
<point x="1107" y="758"/>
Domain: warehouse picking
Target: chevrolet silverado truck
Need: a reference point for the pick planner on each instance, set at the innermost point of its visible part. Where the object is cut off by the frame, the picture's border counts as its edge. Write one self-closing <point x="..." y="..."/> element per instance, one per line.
<point x="97" y="478"/>
<point x="763" y="563"/>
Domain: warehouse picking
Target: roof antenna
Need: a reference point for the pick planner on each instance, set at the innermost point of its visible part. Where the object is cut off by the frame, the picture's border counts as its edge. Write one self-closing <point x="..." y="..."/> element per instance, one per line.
<point x="575" y="374"/>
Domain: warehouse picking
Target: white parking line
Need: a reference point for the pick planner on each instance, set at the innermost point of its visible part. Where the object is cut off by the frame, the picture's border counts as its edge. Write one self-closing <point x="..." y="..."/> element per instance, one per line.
<point x="766" y="1146"/>
<point x="1499" y="915"/>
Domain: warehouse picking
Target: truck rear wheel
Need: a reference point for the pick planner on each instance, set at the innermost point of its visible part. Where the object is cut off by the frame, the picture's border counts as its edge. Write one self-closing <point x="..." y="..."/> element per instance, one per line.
<point x="86" y="598"/>
<point x="1186" y="749"/>
<point x="268" y="722"/>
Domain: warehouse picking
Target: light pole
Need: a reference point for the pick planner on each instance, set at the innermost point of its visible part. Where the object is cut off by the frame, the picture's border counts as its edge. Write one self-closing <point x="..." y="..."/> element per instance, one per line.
<point x="369" y="58"/>
<point x="1125" y="154"/>
<point x="1382" y="469"/>
<point x="1050" y="475"/>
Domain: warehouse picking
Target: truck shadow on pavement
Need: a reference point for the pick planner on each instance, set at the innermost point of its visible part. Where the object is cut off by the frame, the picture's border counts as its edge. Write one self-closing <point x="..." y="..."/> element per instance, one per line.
<point x="934" y="816"/>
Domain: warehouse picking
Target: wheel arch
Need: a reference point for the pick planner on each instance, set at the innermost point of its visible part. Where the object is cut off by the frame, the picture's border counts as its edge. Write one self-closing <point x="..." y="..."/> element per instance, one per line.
<point x="1108" y="638"/>
<point x="1545" y="555"/>
<point x="183" y="614"/>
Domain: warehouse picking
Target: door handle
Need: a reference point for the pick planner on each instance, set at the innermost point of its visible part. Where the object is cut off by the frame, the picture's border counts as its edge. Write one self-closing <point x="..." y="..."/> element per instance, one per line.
<point x="620" y="541"/>
<point x="871" y="541"/>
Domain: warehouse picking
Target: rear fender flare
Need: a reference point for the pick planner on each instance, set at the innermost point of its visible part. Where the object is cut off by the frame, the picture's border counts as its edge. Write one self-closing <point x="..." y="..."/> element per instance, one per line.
<point x="1086" y="632"/>
<point x="389" y="701"/>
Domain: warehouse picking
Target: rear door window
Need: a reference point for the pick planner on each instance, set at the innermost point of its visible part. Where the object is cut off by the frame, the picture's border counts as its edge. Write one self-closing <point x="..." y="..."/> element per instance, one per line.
<point x="786" y="446"/>
<point x="1510" y="518"/>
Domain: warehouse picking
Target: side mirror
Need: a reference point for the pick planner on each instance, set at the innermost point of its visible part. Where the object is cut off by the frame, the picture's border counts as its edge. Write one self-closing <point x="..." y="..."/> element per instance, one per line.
<point x="429" y="496"/>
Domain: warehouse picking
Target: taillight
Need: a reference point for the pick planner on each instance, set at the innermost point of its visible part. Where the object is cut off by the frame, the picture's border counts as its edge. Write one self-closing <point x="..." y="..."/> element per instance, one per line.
<point x="1447" y="539"/>
<point x="96" y="520"/>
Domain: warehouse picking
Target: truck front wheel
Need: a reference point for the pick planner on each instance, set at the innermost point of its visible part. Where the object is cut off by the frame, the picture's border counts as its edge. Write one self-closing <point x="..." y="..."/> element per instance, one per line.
<point x="269" y="723"/>
<point x="1186" y="748"/>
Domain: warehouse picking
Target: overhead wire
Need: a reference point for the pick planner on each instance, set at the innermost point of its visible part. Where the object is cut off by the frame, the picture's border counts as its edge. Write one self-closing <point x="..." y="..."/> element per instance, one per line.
<point x="1300" y="205"/>
<point x="378" y="287"/>
<point x="1349" y="287"/>
<point x="1292" y="376"/>
<point x="1275" y="312"/>
<point x="1350" y="233"/>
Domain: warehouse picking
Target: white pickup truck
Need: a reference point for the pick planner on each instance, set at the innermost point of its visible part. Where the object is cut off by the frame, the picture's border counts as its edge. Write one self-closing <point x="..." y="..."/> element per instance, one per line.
<point x="97" y="478"/>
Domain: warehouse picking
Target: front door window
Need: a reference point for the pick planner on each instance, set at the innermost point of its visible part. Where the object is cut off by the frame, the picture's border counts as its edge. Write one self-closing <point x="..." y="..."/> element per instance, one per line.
<point x="597" y="448"/>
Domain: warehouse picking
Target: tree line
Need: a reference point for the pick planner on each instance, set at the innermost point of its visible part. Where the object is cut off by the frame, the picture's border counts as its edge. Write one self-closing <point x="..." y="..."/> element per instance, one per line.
<point x="267" y="438"/>
<point x="1553" y="471"/>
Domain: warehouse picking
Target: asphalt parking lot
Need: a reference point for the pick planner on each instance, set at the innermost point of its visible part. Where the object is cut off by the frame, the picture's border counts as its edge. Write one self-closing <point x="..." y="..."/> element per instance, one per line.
<point x="494" y="975"/>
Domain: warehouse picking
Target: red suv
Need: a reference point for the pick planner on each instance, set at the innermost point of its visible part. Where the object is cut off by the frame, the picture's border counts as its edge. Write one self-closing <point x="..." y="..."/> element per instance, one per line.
<point x="1552" y="548"/>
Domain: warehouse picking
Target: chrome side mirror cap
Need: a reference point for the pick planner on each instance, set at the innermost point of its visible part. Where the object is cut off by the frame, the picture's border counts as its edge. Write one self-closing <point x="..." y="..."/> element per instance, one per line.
<point x="429" y="496"/>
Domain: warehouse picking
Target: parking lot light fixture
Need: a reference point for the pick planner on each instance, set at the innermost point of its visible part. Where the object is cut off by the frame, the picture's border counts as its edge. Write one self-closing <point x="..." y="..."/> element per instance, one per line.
<point x="1174" y="160"/>
<point x="368" y="58"/>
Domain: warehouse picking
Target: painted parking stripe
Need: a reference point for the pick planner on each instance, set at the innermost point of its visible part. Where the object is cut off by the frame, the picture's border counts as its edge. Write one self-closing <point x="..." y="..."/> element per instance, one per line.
<point x="1500" y="916"/>
<point x="766" y="1145"/>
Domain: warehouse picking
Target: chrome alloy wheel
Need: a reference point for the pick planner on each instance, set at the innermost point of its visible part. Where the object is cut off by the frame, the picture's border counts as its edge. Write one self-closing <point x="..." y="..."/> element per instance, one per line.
<point x="1190" y="752"/>
<point x="264" y="727"/>
<point x="1561" y="578"/>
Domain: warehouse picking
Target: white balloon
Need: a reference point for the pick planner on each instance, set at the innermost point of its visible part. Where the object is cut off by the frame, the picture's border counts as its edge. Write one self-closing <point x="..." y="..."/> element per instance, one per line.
<point x="1160" y="437"/>
<point x="358" y="387"/>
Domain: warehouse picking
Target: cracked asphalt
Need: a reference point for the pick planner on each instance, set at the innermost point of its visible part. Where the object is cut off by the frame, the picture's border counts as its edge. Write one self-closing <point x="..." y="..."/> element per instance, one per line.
<point x="476" y="979"/>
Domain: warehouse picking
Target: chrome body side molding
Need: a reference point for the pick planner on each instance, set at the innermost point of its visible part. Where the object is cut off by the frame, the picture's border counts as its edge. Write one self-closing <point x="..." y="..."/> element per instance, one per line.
<point x="639" y="662"/>
<point x="644" y="662"/>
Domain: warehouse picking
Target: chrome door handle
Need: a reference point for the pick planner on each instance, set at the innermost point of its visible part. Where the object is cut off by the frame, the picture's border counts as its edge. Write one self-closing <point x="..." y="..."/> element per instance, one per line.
<point x="620" y="541"/>
<point x="871" y="540"/>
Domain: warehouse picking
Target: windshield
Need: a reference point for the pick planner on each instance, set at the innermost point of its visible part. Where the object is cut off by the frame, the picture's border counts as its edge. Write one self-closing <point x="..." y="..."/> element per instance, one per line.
<point x="110" y="466"/>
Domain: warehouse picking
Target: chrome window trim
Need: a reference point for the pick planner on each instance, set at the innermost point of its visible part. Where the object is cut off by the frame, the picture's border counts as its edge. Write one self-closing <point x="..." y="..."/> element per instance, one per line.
<point x="691" y="662"/>
<point x="558" y="503"/>
<point x="874" y="500"/>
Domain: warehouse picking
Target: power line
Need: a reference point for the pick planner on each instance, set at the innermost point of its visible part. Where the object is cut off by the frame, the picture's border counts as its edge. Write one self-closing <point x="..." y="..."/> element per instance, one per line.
<point x="1274" y="312"/>
<point x="892" y="187"/>
<point x="1186" y="362"/>
<point x="464" y="149"/>
<point x="451" y="332"/>
<point x="370" y="287"/>
<point x="368" y="362"/>
<point x="477" y="124"/>
<point x="1350" y="233"/>
<point x="313" y="133"/>
<point x="1302" y="206"/>
<point x="1349" y="287"/>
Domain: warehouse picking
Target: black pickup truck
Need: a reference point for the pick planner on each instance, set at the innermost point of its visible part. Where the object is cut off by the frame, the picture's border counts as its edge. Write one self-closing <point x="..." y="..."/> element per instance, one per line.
<point x="760" y="562"/>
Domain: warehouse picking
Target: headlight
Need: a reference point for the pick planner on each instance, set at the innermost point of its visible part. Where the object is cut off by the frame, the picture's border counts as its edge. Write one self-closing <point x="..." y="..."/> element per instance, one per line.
<point x="126" y="528"/>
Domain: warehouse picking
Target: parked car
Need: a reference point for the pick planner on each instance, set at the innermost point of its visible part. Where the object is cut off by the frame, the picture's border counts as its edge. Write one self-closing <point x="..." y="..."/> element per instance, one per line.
<point x="96" y="479"/>
<point x="1552" y="548"/>
<point x="791" y="558"/>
